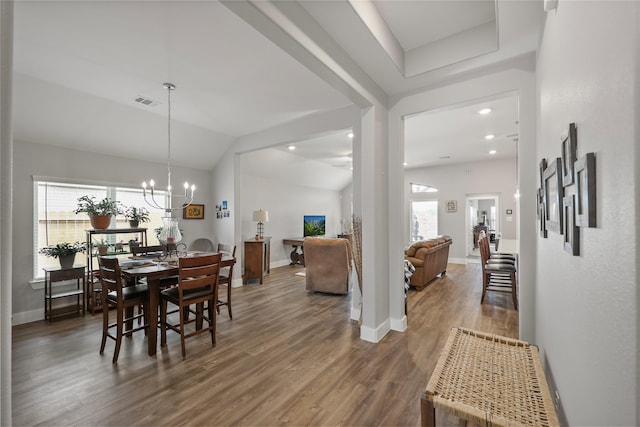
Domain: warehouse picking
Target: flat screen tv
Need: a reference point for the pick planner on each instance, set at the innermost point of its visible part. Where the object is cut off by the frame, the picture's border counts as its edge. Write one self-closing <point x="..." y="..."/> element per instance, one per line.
<point x="314" y="225"/>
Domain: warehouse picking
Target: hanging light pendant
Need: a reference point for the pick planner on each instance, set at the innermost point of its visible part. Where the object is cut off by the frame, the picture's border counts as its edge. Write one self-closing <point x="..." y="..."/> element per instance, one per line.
<point x="170" y="231"/>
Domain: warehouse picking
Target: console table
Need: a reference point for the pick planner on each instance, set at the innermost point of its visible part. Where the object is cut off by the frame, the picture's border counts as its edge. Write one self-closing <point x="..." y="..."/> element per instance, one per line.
<point x="295" y="256"/>
<point x="489" y="380"/>
<point x="257" y="257"/>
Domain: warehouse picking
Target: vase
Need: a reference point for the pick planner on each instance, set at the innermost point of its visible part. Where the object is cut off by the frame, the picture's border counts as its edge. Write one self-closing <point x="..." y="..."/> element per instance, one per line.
<point x="134" y="223"/>
<point x="100" y="222"/>
<point x="66" y="261"/>
<point x="170" y="232"/>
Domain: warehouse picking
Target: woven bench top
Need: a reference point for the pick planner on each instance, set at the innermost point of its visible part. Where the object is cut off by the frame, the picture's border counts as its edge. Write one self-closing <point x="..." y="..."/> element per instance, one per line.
<point x="491" y="380"/>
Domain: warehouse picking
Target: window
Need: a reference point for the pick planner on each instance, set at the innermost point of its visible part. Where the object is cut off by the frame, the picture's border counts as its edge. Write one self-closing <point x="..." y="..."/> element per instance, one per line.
<point x="56" y="222"/>
<point x="420" y="188"/>
<point x="424" y="219"/>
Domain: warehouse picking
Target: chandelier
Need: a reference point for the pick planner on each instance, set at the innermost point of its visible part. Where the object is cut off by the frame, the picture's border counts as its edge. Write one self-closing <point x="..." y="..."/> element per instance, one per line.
<point x="170" y="232"/>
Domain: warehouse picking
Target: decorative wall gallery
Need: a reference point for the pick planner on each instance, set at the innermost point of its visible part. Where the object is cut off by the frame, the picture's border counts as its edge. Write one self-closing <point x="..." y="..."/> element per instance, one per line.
<point x="222" y="211"/>
<point x="567" y="193"/>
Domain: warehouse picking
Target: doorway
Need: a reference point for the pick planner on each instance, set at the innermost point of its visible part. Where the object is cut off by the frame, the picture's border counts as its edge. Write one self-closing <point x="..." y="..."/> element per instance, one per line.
<point x="482" y="213"/>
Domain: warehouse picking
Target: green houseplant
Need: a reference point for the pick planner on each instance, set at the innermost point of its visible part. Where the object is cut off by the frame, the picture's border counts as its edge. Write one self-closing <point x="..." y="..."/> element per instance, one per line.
<point x="65" y="252"/>
<point x="136" y="216"/>
<point x="100" y="213"/>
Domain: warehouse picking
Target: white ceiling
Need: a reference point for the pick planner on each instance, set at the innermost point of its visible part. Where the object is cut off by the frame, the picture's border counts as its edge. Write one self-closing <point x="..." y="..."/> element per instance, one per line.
<point x="80" y="65"/>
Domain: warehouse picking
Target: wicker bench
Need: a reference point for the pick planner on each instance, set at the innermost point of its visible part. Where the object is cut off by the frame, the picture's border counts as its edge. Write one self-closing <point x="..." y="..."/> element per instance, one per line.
<point x="489" y="380"/>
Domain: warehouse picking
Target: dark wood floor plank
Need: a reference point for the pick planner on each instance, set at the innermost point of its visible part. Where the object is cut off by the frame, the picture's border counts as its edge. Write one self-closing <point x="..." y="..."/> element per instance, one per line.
<point x="289" y="357"/>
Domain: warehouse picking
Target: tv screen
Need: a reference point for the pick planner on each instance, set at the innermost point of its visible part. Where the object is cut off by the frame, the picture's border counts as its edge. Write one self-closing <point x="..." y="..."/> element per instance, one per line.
<point x="314" y="225"/>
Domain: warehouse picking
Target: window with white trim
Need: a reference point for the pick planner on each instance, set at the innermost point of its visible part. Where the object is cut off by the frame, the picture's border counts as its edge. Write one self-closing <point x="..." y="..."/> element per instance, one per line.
<point x="55" y="221"/>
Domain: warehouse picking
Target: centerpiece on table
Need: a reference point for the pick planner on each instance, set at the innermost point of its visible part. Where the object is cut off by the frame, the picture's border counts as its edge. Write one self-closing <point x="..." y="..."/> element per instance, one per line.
<point x="100" y="213"/>
<point x="136" y="216"/>
<point x="65" y="252"/>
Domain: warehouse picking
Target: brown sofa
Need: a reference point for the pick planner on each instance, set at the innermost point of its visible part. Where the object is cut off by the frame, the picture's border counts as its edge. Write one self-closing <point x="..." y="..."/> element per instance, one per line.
<point x="429" y="257"/>
<point x="327" y="264"/>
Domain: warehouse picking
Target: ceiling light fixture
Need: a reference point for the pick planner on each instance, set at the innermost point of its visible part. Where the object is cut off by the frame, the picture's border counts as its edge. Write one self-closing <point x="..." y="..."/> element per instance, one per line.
<point x="292" y="147"/>
<point x="405" y="164"/>
<point x="489" y="137"/>
<point x="170" y="232"/>
<point x="492" y="152"/>
<point x="350" y="135"/>
<point x="484" y="111"/>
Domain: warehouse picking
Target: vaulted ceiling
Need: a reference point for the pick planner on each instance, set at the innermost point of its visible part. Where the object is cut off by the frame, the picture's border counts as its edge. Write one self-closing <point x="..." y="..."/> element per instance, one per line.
<point x="89" y="74"/>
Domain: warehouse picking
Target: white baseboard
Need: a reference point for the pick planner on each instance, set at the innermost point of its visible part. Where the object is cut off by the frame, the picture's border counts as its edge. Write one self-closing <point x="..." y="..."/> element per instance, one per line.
<point x="280" y="263"/>
<point x="457" y="260"/>
<point x="27" y="316"/>
<point x="375" y="335"/>
<point x="399" y="325"/>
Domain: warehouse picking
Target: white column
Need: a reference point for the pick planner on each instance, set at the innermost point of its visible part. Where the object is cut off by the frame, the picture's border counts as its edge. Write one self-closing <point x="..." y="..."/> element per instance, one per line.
<point x="6" y="201"/>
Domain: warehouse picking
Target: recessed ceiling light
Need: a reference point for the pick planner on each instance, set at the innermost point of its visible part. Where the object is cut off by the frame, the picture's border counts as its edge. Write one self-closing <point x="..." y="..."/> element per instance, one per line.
<point x="490" y="136"/>
<point x="350" y="134"/>
<point x="484" y="111"/>
<point x="405" y="164"/>
<point x="492" y="152"/>
<point x="292" y="147"/>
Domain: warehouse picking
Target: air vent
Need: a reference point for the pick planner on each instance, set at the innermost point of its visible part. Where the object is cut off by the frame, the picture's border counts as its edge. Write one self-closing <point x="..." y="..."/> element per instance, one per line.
<point x="445" y="157"/>
<point x="146" y="101"/>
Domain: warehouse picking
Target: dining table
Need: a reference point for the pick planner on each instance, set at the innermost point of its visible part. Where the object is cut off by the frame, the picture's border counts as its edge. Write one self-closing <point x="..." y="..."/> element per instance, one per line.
<point x="154" y="270"/>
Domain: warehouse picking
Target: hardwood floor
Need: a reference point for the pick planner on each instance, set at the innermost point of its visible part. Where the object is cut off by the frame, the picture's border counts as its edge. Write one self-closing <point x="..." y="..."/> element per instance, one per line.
<point x="288" y="357"/>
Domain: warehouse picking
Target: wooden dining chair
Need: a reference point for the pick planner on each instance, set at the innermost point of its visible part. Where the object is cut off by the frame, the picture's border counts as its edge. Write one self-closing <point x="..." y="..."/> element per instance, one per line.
<point x="226" y="278"/>
<point x="498" y="274"/>
<point x="197" y="284"/>
<point x="123" y="299"/>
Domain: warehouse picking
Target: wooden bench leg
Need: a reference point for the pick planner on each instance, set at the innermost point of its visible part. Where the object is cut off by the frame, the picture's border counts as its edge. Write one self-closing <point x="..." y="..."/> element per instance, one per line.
<point x="427" y="411"/>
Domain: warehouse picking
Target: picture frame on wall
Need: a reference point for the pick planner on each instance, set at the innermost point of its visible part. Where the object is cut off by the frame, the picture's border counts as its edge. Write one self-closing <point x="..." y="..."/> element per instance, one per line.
<point x="569" y="148"/>
<point x="193" y="211"/>
<point x="571" y="230"/>
<point x="585" y="174"/>
<point x="540" y="200"/>
<point x="553" y="195"/>
<point x="452" y="205"/>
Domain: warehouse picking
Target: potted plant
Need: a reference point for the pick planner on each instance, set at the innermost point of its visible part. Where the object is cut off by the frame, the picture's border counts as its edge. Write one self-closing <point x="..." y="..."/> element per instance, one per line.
<point x="136" y="216"/>
<point x="102" y="246"/>
<point x="65" y="252"/>
<point x="100" y="213"/>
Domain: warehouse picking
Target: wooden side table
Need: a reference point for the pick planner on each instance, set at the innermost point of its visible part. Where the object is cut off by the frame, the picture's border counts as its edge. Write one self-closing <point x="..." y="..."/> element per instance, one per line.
<point x="59" y="275"/>
<point x="257" y="257"/>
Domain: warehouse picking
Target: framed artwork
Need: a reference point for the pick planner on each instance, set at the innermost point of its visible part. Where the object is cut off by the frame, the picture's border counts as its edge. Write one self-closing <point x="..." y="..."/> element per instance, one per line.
<point x="571" y="230"/>
<point x="569" y="145"/>
<point x="193" y="212"/>
<point x="540" y="199"/>
<point x="543" y="166"/>
<point x="452" y="205"/>
<point x="553" y="195"/>
<point x="585" y="174"/>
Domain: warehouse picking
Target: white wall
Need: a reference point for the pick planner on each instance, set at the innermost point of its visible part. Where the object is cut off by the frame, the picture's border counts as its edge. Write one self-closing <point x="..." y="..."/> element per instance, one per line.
<point x="287" y="202"/>
<point x="45" y="160"/>
<point x="455" y="182"/>
<point x="587" y="305"/>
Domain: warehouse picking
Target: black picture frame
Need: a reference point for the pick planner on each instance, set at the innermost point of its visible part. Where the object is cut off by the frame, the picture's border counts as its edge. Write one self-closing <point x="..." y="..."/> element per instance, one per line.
<point x="553" y="194"/>
<point x="585" y="174"/>
<point x="540" y="200"/>
<point x="571" y="230"/>
<point x="569" y="148"/>
<point x="542" y="167"/>
<point x="193" y="211"/>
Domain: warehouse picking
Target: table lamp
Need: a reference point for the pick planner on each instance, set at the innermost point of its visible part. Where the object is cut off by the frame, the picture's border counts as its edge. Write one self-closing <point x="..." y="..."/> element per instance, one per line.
<point x="261" y="217"/>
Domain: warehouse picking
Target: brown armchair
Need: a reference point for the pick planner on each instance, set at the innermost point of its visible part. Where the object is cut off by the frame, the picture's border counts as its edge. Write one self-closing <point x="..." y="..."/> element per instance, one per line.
<point x="328" y="264"/>
<point x="429" y="257"/>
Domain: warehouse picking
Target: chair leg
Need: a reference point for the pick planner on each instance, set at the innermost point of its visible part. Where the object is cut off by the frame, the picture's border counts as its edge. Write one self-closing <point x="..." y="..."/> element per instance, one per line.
<point x="129" y="325"/>
<point x="212" y="321"/>
<point x="182" y="320"/>
<point x="163" y="322"/>
<point x="485" y="280"/>
<point x="514" y="293"/>
<point x="105" y="327"/>
<point x="229" y="300"/>
<point x="119" y="326"/>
